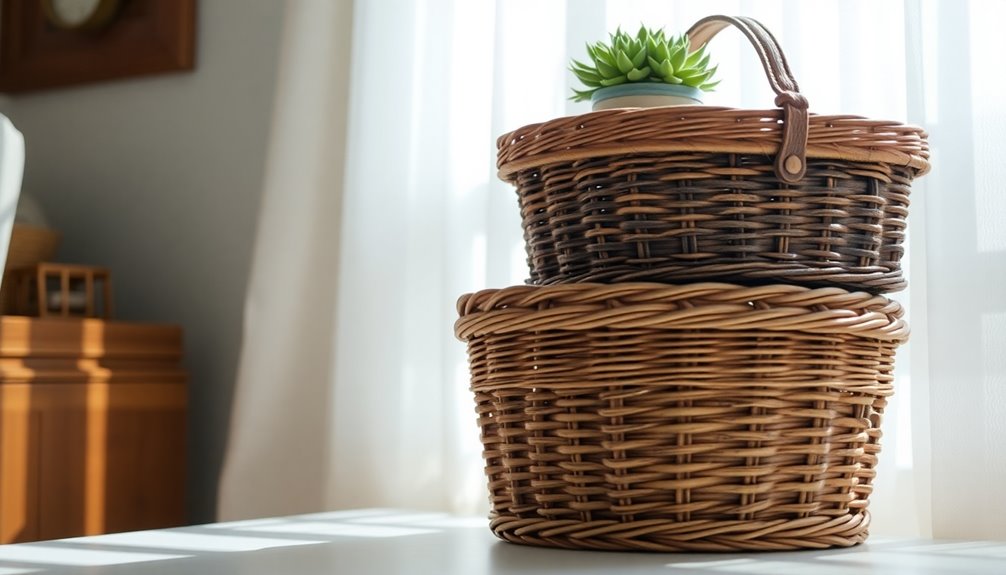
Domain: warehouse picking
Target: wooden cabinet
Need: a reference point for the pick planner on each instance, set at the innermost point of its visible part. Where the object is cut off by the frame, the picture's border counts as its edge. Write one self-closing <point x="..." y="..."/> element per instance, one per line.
<point x="92" y="427"/>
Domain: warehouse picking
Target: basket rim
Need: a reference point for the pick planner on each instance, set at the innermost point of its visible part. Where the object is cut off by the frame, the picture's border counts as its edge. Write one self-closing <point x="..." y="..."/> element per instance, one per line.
<point x="708" y="129"/>
<point x="705" y="305"/>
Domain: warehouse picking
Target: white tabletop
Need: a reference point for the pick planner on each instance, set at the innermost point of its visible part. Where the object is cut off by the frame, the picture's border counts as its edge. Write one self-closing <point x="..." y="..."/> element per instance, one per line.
<point x="389" y="541"/>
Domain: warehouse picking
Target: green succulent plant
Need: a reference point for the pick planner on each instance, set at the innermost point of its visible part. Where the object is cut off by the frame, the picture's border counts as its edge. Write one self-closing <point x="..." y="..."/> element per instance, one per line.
<point x="649" y="56"/>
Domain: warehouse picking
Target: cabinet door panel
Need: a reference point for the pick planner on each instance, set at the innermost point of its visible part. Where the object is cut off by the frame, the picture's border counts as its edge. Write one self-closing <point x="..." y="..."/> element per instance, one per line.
<point x="162" y="468"/>
<point x="67" y="440"/>
<point x="123" y="492"/>
<point x="146" y="457"/>
<point x="112" y="458"/>
<point x="19" y="472"/>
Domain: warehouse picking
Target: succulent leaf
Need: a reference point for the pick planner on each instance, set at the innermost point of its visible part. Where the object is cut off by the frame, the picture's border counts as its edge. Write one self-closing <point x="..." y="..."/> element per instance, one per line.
<point x="667" y="72"/>
<point x="603" y="55"/>
<point x="621" y="43"/>
<point x="709" y="86"/>
<point x="689" y="73"/>
<point x="637" y="75"/>
<point x="640" y="58"/>
<point x="588" y="78"/>
<point x="696" y="81"/>
<point x="581" y="95"/>
<point x="677" y="57"/>
<point x="624" y="63"/>
<point x="703" y="63"/>
<point x="614" y="81"/>
<point x="662" y="52"/>
<point x="695" y="57"/>
<point x="651" y="46"/>
<point x="607" y="71"/>
<point x="693" y="81"/>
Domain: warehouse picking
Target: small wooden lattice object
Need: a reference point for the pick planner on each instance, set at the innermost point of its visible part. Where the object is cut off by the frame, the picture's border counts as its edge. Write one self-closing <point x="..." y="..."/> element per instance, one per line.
<point x="66" y="290"/>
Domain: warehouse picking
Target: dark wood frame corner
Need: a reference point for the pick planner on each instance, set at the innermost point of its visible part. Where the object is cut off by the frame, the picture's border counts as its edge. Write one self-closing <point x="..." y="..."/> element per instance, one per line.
<point x="147" y="37"/>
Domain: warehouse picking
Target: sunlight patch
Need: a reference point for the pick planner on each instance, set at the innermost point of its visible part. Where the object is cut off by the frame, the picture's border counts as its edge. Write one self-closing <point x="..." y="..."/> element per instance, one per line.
<point x="182" y="541"/>
<point x="51" y="555"/>
<point x="344" y="529"/>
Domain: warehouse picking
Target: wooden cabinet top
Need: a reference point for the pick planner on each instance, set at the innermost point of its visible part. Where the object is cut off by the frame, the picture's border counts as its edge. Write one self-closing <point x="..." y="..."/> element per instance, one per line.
<point x="39" y="350"/>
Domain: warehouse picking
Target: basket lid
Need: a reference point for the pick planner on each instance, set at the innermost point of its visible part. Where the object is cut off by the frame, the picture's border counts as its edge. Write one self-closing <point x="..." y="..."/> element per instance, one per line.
<point x="707" y="129"/>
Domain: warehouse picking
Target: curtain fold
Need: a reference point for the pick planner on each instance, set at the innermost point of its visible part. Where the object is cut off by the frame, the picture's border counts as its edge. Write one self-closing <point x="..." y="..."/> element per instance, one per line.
<point x="279" y="444"/>
<point x="353" y="391"/>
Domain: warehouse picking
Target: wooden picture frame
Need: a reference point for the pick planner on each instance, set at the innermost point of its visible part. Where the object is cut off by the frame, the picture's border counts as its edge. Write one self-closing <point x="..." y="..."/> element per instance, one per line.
<point x="145" y="37"/>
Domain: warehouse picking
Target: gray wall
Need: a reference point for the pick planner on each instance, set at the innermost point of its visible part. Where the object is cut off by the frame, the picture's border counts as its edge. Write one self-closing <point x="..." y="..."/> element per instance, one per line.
<point x="160" y="179"/>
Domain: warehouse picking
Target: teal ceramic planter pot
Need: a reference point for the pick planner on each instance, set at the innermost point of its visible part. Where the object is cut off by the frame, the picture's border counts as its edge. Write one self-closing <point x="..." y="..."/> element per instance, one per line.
<point x="645" y="95"/>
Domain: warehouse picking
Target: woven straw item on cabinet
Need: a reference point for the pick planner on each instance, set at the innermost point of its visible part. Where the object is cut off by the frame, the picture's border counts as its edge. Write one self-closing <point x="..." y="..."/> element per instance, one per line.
<point x="699" y="193"/>
<point x="703" y="417"/>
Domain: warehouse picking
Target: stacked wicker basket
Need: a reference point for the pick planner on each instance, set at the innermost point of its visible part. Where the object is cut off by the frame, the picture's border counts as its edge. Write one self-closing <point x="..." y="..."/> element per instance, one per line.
<point x="625" y="400"/>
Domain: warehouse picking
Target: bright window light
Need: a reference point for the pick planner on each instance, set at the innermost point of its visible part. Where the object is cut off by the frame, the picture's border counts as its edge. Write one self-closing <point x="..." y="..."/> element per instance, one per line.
<point x="407" y="518"/>
<point x="350" y="514"/>
<point x="457" y="522"/>
<point x="182" y="541"/>
<point x="52" y="555"/>
<point x="15" y="571"/>
<point x="343" y="529"/>
<point x="242" y="524"/>
<point x="710" y="564"/>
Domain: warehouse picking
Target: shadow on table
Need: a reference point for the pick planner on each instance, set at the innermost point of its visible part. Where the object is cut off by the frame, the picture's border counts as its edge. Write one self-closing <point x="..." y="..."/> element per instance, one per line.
<point x="878" y="556"/>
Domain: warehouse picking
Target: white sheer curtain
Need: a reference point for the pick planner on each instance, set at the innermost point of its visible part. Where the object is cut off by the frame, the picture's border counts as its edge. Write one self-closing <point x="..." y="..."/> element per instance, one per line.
<point x="959" y="358"/>
<point x="424" y="219"/>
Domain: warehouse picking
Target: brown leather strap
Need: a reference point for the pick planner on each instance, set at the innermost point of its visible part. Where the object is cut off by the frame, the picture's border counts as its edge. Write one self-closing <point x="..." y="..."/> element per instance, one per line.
<point x="791" y="163"/>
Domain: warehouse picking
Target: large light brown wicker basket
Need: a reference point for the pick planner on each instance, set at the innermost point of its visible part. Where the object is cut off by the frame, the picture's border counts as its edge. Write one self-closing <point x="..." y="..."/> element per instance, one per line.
<point x="706" y="417"/>
<point x="702" y="193"/>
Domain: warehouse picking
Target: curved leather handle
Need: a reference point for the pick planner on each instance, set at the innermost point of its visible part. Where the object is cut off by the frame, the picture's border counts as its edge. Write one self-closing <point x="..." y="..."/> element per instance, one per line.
<point x="791" y="163"/>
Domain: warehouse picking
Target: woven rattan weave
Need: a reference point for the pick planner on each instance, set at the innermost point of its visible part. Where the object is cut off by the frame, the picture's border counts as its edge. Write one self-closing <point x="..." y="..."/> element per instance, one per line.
<point x="707" y="417"/>
<point x="704" y="193"/>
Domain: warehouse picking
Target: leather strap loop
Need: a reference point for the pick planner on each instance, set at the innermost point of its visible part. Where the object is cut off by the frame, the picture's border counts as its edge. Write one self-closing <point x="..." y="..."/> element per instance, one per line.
<point x="791" y="162"/>
<point x="795" y="99"/>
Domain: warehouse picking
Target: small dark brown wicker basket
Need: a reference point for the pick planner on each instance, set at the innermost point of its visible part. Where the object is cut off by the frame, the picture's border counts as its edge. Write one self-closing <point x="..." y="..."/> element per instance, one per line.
<point x="703" y="417"/>
<point x="704" y="193"/>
